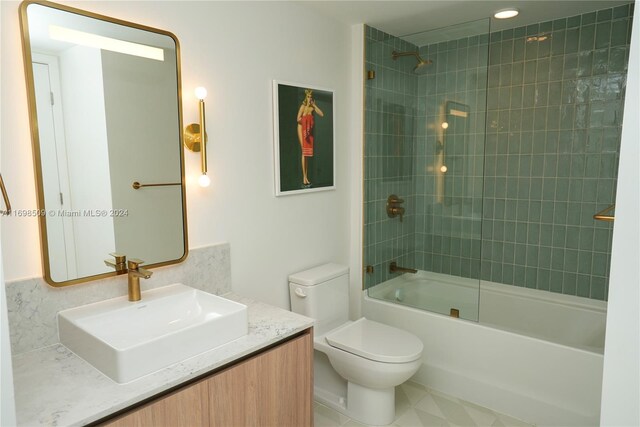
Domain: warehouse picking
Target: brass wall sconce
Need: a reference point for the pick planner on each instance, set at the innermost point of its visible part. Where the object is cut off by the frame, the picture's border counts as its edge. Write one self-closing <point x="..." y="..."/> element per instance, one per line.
<point x="195" y="137"/>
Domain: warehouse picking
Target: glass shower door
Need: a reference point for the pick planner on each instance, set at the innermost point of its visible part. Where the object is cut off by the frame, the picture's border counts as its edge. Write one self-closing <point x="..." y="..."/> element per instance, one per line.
<point x="440" y="179"/>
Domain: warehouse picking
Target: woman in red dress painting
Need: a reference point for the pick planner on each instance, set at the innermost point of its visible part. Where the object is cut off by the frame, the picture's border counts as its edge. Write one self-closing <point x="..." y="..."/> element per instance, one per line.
<point x="305" y="131"/>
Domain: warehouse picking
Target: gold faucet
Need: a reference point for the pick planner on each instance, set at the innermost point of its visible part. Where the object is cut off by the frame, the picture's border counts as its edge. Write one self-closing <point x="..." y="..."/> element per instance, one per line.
<point x="120" y="264"/>
<point x="135" y="273"/>
<point x="395" y="268"/>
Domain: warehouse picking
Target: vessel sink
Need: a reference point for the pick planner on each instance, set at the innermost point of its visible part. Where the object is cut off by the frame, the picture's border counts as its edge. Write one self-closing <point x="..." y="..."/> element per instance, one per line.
<point x="126" y="340"/>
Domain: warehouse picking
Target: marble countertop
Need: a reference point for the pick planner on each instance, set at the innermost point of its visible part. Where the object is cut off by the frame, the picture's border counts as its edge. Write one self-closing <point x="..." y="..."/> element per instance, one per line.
<point x="54" y="387"/>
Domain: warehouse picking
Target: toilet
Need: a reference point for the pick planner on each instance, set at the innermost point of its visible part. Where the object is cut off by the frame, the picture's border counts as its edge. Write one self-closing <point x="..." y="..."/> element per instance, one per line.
<point x="357" y="364"/>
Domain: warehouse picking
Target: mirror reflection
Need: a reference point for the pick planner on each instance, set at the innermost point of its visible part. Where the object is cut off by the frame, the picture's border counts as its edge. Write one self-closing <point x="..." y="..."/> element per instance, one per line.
<point x="105" y="113"/>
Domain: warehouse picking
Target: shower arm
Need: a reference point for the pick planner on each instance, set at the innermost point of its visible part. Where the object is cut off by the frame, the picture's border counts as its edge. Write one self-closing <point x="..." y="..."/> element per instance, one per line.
<point x="395" y="55"/>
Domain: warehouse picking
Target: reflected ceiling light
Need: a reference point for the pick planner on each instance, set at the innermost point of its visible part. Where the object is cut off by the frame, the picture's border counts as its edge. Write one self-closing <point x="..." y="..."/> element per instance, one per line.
<point x="107" y="43"/>
<point x="506" y="13"/>
<point x="195" y="137"/>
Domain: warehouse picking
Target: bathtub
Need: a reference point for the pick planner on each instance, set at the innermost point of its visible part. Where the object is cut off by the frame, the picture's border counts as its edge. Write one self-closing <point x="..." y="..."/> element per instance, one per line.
<point x="531" y="354"/>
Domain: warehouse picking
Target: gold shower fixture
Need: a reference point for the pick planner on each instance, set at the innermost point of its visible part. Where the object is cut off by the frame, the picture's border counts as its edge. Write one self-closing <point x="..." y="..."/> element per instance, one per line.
<point x="195" y="137"/>
<point x="420" y="68"/>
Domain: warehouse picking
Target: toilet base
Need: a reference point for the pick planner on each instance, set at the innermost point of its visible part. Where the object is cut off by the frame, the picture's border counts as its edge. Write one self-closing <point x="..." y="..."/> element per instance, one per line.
<point x="371" y="406"/>
<point x="375" y="407"/>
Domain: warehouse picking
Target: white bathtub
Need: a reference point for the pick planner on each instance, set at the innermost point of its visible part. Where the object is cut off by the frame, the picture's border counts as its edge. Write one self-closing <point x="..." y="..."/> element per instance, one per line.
<point x="534" y="355"/>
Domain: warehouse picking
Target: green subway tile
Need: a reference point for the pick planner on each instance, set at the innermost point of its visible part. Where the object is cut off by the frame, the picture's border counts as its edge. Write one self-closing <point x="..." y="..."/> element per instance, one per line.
<point x="544" y="48"/>
<point x="531" y="50"/>
<point x="557" y="42"/>
<point x="600" y="64"/>
<point x="571" y="260"/>
<point x="532" y="29"/>
<point x="519" y="32"/>
<point x="531" y="277"/>
<point x="598" y="288"/>
<point x="545" y="26"/>
<point x="521" y="232"/>
<point x="604" y="15"/>
<point x="519" y="275"/>
<point x="583" y="286"/>
<point x="560" y="24"/>
<point x="506" y="52"/>
<point x="507" y="273"/>
<point x="574" y="211"/>
<point x="585" y="64"/>
<point x="573" y="22"/>
<point x="584" y="262"/>
<point x="559" y="236"/>
<point x="520" y="254"/>
<point x="555" y="281"/>
<point x="588" y="18"/>
<point x="530" y="71"/>
<point x="569" y="283"/>
<point x="535" y="188"/>
<point x="586" y="238"/>
<point x="518" y="53"/>
<point x="619" y="32"/>
<point x="572" y="40"/>
<point x="509" y="231"/>
<point x="556" y="67"/>
<point x="570" y="66"/>
<point x="587" y="37"/>
<point x="543" y="279"/>
<point x="532" y="255"/>
<point x="601" y="240"/>
<point x="508" y="253"/>
<point x="600" y="264"/>
<point x="621" y="11"/>
<point x="544" y="257"/>
<point x="603" y="35"/>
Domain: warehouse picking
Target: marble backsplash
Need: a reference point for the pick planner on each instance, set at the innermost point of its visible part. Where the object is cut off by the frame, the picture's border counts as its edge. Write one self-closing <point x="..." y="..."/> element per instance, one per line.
<point x="33" y="305"/>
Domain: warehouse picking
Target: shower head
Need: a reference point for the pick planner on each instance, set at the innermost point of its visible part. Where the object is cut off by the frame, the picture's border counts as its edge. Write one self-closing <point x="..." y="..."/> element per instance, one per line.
<point x="420" y="68"/>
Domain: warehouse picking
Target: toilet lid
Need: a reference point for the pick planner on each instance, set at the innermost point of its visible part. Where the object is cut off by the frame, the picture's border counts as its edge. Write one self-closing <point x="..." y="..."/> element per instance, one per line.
<point x="376" y="341"/>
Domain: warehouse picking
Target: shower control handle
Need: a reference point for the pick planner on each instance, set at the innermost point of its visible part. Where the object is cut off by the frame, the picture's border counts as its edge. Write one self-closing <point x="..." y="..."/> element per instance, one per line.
<point x="393" y="207"/>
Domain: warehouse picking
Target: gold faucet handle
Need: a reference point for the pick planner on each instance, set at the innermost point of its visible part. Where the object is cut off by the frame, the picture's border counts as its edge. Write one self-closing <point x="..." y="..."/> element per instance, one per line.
<point x="120" y="263"/>
<point x="120" y="258"/>
<point x="134" y="263"/>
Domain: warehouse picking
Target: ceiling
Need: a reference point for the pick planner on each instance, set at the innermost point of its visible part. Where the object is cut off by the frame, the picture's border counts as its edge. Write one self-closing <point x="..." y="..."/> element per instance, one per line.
<point x="401" y="18"/>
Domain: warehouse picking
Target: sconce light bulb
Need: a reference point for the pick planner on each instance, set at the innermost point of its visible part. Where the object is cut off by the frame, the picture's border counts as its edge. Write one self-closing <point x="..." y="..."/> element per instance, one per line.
<point x="445" y="125"/>
<point x="201" y="93"/>
<point x="443" y="168"/>
<point x="204" y="180"/>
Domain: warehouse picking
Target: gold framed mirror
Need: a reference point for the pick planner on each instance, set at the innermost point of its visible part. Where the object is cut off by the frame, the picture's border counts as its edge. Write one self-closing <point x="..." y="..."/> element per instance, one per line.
<point x="105" y="112"/>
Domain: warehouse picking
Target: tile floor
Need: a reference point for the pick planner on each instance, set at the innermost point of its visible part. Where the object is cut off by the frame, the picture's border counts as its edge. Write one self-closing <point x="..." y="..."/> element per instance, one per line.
<point x="417" y="406"/>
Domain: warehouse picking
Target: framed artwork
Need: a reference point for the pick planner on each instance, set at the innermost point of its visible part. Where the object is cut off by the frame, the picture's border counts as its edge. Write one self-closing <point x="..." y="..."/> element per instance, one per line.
<point x="304" y="142"/>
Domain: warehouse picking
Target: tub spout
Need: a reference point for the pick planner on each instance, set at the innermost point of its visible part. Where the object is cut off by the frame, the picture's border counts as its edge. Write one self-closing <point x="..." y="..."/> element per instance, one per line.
<point x="395" y="268"/>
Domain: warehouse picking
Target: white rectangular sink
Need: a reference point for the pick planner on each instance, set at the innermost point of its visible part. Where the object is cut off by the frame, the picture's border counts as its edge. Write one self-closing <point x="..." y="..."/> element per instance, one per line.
<point x="126" y="340"/>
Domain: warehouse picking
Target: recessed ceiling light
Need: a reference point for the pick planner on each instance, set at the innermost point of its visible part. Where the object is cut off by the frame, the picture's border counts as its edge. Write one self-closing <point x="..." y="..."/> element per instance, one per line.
<point x="506" y="13"/>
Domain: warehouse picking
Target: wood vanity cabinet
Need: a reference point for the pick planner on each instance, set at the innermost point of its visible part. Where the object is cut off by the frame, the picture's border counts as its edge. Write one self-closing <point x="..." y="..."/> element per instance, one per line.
<point x="271" y="388"/>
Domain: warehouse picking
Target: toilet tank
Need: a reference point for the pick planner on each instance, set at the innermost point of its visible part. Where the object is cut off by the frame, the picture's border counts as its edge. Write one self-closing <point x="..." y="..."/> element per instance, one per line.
<point x="321" y="293"/>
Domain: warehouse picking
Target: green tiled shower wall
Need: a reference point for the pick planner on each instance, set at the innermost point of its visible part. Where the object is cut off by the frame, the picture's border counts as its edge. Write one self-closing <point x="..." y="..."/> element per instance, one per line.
<point x="390" y="135"/>
<point x="553" y="136"/>
<point x="449" y="208"/>
<point x="515" y="205"/>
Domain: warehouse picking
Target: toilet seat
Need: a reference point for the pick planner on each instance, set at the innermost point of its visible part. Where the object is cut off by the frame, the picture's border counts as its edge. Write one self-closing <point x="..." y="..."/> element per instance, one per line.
<point x="376" y="341"/>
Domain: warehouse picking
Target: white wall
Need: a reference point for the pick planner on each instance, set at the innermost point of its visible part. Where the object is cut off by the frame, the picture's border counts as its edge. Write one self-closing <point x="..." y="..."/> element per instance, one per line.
<point x="621" y="376"/>
<point x="234" y="49"/>
<point x="7" y="399"/>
